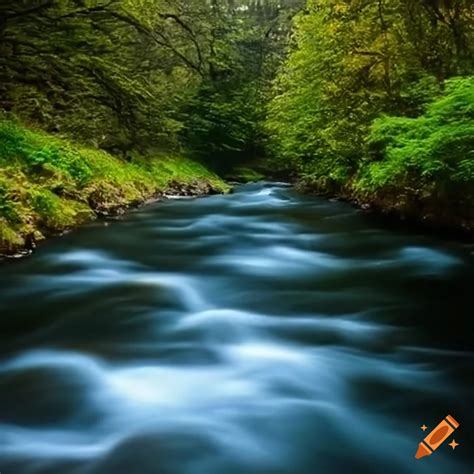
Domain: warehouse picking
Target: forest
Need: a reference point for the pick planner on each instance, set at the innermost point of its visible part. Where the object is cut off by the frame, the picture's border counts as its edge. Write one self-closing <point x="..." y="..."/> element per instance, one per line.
<point x="105" y="103"/>
<point x="376" y="101"/>
<point x="236" y="236"/>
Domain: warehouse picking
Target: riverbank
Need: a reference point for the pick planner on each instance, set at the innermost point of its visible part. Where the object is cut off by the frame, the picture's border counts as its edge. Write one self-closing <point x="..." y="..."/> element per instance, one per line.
<point x="454" y="219"/>
<point x="418" y="169"/>
<point x="49" y="185"/>
<point x="451" y="218"/>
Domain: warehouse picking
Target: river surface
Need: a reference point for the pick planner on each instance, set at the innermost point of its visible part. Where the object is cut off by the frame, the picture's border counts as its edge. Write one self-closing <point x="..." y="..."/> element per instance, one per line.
<point x="262" y="332"/>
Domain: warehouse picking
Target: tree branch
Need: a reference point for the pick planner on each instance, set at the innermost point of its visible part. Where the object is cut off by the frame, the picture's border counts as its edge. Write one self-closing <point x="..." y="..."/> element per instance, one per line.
<point x="28" y="11"/>
<point x="155" y="36"/>
<point x="192" y="35"/>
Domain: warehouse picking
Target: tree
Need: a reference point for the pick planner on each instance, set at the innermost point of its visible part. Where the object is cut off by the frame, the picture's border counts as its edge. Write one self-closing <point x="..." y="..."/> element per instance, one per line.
<point x="137" y="75"/>
<point x="352" y="61"/>
<point x="247" y="40"/>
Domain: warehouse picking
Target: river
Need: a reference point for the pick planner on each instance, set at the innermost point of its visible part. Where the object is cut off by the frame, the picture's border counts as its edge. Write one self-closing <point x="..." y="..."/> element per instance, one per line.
<point x="262" y="332"/>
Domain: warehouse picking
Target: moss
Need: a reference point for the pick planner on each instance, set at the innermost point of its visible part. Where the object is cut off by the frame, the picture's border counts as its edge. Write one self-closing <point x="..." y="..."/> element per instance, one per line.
<point x="10" y="240"/>
<point x="49" y="184"/>
<point x="168" y="170"/>
<point x="55" y="213"/>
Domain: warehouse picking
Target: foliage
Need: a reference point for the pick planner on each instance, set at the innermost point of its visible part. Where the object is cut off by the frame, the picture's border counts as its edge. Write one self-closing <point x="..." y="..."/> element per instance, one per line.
<point x="434" y="152"/>
<point x="352" y="96"/>
<point x="49" y="184"/>
<point x="112" y="73"/>
<point x="129" y="75"/>
<point x="139" y="79"/>
<point x="221" y="126"/>
<point x="223" y="121"/>
<point x="359" y="105"/>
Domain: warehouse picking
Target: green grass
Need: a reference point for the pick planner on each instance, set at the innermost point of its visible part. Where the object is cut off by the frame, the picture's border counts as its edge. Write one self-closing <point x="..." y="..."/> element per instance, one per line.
<point x="49" y="184"/>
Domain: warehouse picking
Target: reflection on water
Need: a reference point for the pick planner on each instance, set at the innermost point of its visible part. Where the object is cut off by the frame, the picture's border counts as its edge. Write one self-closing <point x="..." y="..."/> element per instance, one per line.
<point x="257" y="333"/>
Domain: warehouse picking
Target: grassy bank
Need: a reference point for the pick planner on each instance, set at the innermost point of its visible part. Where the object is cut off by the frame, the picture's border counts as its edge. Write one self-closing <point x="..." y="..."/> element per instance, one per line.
<point x="49" y="184"/>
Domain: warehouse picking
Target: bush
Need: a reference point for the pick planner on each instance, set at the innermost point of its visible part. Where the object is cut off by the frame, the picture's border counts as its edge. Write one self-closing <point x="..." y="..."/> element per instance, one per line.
<point x="432" y="152"/>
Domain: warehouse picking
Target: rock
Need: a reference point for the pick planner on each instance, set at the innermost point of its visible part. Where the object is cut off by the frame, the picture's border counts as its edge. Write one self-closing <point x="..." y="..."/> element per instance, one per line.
<point x="192" y="188"/>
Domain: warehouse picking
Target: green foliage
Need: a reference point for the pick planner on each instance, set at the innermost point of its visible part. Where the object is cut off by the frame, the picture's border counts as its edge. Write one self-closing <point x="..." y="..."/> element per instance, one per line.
<point x="37" y="152"/>
<point x="221" y="127"/>
<point x="133" y="76"/>
<point x="9" y="207"/>
<point x="55" y="213"/>
<point x="376" y="98"/>
<point x="48" y="184"/>
<point x="432" y="153"/>
<point x="318" y="101"/>
<point x="9" y="239"/>
<point x="113" y="74"/>
<point x="223" y="122"/>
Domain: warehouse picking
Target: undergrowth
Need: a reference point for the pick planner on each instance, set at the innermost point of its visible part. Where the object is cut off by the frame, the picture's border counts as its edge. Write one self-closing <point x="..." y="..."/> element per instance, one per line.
<point x="49" y="184"/>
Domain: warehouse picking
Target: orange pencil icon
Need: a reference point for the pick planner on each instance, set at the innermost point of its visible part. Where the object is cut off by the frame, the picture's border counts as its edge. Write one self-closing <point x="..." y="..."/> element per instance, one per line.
<point x="437" y="437"/>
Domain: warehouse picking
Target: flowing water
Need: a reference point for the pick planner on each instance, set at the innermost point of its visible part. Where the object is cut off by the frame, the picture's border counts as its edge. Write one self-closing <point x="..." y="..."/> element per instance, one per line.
<point x="257" y="333"/>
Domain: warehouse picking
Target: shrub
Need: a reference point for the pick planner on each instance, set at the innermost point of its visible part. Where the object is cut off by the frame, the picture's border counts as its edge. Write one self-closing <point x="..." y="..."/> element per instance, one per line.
<point x="434" y="151"/>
